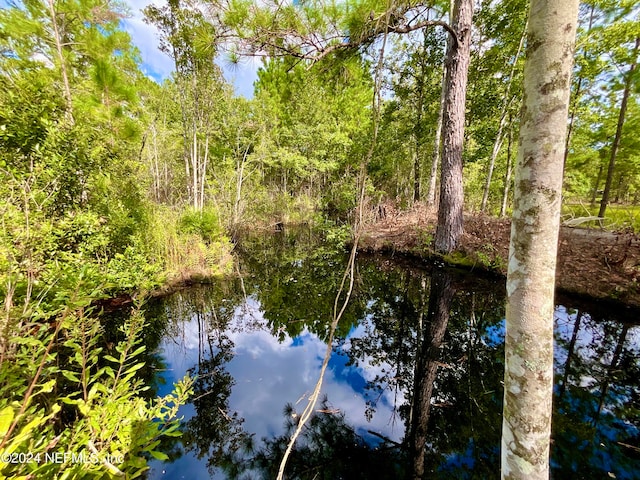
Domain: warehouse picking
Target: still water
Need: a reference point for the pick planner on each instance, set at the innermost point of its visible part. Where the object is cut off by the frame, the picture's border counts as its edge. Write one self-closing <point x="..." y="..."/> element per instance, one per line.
<point x="414" y="376"/>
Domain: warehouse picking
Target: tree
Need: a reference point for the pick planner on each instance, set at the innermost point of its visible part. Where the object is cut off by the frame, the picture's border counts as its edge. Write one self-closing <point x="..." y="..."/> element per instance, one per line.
<point x="511" y="93"/>
<point x="415" y="79"/>
<point x="311" y="31"/>
<point x="450" y="220"/>
<point x="528" y="380"/>
<point x="191" y="41"/>
<point x="599" y="147"/>
<point x="427" y="363"/>
<point x="628" y="83"/>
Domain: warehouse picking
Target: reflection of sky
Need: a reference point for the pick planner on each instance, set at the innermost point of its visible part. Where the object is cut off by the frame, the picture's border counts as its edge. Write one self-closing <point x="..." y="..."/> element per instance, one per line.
<point x="269" y="374"/>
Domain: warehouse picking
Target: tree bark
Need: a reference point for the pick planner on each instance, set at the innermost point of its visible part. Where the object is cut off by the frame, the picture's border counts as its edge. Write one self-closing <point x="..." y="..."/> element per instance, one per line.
<point x="528" y="384"/>
<point x="616" y="141"/>
<point x="450" y="220"/>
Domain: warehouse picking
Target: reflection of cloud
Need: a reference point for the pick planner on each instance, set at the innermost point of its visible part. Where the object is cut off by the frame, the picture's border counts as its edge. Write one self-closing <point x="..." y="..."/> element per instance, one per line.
<point x="270" y="374"/>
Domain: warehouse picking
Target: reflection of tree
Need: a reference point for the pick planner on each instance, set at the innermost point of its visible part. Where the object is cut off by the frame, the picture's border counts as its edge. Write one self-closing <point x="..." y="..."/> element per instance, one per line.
<point x="408" y="342"/>
<point x="570" y="350"/>
<point x="399" y="338"/>
<point x="328" y="449"/>
<point x="596" y="430"/>
<point x="214" y="432"/>
<point x="295" y="278"/>
<point x="427" y="361"/>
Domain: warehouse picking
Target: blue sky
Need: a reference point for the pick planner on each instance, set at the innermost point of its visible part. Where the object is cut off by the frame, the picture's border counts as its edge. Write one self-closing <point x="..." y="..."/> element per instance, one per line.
<point x="159" y="66"/>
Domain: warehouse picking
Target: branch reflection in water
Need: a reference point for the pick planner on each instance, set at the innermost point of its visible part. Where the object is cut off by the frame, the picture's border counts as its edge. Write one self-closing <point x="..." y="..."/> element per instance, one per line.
<point x="412" y="387"/>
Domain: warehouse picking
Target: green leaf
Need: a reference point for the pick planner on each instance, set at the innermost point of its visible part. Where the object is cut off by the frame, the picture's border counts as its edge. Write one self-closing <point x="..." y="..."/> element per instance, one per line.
<point x="138" y="351"/>
<point x="47" y="387"/>
<point x="70" y="376"/>
<point x="135" y="368"/>
<point x="163" y="457"/>
<point x="6" y="417"/>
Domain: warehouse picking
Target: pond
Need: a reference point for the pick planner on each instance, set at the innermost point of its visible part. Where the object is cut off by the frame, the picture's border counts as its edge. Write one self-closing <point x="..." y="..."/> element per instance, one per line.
<point x="413" y="380"/>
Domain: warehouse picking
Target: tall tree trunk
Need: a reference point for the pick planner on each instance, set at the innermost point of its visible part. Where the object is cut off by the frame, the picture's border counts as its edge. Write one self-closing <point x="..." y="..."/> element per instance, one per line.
<point x="203" y="171"/>
<point x="507" y="176"/>
<point x="594" y="193"/>
<point x="450" y="220"/>
<point x="57" y="37"/>
<point x="497" y="144"/>
<point x="616" y="141"/>
<point x="437" y="146"/>
<point x="194" y="169"/>
<point x="416" y="162"/>
<point x="576" y="95"/>
<point x="528" y="381"/>
<point x="418" y="138"/>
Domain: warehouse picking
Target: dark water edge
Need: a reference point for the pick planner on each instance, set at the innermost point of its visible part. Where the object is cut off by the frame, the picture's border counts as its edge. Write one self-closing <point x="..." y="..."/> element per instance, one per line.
<point x="256" y="345"/>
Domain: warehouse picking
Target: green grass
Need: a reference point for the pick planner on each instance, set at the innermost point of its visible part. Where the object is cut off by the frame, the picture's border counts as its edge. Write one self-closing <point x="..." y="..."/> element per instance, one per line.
<point x="617" y="217"/>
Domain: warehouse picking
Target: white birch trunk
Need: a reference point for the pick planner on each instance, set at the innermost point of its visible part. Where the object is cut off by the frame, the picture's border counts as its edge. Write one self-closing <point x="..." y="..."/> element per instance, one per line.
<point x="528" y="385"/>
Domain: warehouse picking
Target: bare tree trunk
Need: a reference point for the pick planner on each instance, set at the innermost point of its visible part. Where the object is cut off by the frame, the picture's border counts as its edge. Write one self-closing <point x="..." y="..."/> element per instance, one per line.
<point x="503" y="122"/>
<point x="63" y="64"/>
<point x="239" y="182"/>
<point x="203" y="171"/>
<point x="576" y="96"/>
<point x="417" y="138"/>
<point x="416" y="170"/>
<point x="437" y="146"/>
<point x="450" y="219"/>
<point x="507" y="177"/>
<point x="194" y="169"/>
<point x="594" y="194"/>
<point x="528" y="381"/>
<point x="616" y="141"/>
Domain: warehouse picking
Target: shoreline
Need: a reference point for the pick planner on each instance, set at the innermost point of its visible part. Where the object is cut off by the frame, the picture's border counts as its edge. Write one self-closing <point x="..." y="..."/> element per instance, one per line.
<point x="594" y="264"/>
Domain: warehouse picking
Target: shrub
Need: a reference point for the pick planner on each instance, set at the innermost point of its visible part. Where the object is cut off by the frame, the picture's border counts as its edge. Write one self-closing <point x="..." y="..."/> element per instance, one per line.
<point x="68" y="407"/>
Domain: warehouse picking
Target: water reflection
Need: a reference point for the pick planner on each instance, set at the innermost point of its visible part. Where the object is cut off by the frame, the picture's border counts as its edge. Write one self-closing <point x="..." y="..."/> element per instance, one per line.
<point x="413" y="388"/>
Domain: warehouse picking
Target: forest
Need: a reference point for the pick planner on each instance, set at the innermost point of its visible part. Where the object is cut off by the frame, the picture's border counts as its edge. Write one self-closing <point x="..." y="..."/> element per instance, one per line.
<point x="117" y="186"/>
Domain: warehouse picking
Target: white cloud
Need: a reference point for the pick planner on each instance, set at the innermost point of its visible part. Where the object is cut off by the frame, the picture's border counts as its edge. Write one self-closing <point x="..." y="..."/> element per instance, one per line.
<point x="160" y="66"/>
<point x="155" y="63"/>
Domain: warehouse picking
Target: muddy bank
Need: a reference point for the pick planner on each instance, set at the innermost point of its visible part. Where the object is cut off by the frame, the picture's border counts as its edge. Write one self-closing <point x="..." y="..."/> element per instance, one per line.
<point x="591" y="262"/>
